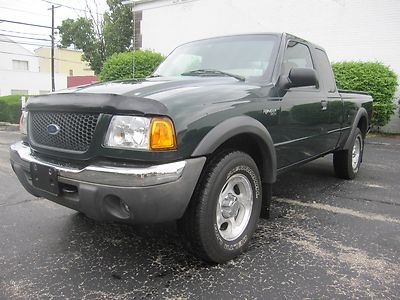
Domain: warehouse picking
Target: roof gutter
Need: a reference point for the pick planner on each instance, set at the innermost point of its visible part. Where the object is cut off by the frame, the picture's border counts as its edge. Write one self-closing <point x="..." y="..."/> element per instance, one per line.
<point x="151" y="4"/>
<point x="127" y="2"/>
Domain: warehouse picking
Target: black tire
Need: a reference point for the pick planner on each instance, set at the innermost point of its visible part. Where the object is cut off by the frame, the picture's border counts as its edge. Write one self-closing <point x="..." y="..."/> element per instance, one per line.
<point x="343" y="160"/>
<point x="199" y="224"/>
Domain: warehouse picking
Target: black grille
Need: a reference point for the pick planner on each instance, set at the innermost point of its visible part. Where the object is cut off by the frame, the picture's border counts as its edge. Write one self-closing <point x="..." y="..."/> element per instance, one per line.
<point x="76" y="129"/>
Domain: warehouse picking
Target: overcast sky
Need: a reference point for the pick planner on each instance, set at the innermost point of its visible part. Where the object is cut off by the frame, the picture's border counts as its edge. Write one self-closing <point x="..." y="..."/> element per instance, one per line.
<point x="37" y="12"/>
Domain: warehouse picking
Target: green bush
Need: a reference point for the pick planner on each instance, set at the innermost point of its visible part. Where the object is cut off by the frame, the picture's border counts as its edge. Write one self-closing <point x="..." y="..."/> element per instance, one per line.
<point x="119" y="65"/>
<point x="373" y="77"/>
<point x="10" y="109"/>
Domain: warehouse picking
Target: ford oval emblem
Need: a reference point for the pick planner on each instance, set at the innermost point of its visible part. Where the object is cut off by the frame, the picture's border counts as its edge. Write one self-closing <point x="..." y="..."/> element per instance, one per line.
<point x="53" y="129"/>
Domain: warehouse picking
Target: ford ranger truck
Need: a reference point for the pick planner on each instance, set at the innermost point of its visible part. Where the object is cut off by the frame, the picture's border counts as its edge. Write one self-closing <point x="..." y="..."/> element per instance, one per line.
<point x="200" y="141"/>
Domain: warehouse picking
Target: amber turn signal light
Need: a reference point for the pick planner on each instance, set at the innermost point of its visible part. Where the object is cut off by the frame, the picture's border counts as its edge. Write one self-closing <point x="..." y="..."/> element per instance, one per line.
<point x="162" y="134"/>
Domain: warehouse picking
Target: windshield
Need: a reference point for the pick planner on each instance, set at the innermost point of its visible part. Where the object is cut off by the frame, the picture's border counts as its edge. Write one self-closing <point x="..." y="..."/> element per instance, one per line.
<point x="248" y="56"/>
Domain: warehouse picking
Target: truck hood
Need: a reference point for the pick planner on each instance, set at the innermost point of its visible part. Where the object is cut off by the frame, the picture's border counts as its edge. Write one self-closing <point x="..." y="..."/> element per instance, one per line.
<point x="159" y="96"/>
<point x="152" y="88"/>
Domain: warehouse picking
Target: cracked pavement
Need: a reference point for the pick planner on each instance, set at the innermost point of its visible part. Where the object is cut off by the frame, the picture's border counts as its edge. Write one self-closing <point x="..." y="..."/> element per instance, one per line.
<point x="327" y="238"/>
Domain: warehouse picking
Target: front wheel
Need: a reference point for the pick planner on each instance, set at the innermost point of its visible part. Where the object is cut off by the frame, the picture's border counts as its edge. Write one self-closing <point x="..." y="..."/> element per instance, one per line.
<point x="347" y="162"/>
<point x="224" y="209"/>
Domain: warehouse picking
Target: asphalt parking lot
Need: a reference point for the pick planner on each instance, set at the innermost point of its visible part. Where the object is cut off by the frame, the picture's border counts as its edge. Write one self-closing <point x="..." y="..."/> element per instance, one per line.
<point x="327" y="238"/>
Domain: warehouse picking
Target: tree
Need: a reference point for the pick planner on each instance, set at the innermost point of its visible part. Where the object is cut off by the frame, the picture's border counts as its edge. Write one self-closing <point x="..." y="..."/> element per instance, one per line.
<point x="81" y="34"/>
<point x="118" y="28"/>
<point x="99" y="36"/>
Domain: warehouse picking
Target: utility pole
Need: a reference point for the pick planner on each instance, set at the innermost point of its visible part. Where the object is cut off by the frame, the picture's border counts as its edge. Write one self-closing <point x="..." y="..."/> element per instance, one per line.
<point x="53" y="84"/>
<point x="134" y="39"/>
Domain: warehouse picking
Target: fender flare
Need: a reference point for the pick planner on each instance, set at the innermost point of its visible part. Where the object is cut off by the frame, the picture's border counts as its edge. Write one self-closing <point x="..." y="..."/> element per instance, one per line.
<point x="242" y="125"/>
<point x="362" y="112"/>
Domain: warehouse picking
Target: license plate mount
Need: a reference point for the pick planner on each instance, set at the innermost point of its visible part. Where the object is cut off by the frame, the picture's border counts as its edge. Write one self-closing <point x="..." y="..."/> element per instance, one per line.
<point x="45" y="178"/>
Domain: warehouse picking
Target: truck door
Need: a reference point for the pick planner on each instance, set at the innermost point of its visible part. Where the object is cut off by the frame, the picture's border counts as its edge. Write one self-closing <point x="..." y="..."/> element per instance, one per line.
<point x="334" y="108"/>
<point x="303" y="113"/>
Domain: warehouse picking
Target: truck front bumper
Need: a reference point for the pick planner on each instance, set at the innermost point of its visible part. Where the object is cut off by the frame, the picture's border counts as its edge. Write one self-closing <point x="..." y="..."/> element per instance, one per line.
<point x="115" y="192"/>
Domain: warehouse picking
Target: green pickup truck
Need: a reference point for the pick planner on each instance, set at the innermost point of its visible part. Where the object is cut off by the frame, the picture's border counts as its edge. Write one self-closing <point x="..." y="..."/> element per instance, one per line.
<point x="201" y="141"/>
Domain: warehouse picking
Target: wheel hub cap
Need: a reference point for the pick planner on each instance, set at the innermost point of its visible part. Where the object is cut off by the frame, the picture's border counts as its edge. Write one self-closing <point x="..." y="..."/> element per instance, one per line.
<point x="356" y="154"/>
<point x="234" y="207"/>
<point x="230" y="206"/>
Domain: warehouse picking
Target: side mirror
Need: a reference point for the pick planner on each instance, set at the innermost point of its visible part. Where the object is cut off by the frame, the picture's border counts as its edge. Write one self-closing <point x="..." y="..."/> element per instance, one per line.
<point x="299" y="77"/>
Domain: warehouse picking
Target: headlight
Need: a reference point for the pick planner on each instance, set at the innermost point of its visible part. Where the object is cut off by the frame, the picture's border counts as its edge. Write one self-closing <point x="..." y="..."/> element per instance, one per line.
<point x="23" y="123"/>
<point x="128" y="132"/>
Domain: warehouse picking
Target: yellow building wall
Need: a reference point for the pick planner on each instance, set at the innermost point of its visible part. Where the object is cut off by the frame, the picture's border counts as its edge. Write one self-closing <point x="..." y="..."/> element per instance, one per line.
<point x="66" y="61"/>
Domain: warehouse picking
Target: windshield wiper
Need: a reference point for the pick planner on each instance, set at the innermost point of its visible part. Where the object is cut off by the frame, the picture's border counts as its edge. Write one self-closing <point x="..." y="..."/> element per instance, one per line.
<point x="211" y="72"/>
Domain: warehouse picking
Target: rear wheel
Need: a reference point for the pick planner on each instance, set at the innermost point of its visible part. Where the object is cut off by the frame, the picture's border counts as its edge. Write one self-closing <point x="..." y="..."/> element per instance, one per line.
<point x="225" y="208"/>
<point x="347" y="162"/>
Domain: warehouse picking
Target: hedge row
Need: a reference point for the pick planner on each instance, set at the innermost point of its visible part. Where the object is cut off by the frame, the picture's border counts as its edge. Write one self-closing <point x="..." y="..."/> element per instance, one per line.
<point x="373" y="77"/>
<point x="120" y="65"/>
<point x="10" y="109"/>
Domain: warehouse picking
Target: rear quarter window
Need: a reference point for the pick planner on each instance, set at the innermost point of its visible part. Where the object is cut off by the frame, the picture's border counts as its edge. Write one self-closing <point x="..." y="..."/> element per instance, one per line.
<point x="325" y="70"/>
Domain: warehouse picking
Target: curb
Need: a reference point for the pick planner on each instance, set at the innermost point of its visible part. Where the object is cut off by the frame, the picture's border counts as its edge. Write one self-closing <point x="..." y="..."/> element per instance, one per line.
<point x="4" y="126"/>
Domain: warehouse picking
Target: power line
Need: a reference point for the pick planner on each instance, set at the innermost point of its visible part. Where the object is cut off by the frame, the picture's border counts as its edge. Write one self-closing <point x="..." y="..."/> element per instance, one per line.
<point x="44" y="57"/>
<point x="24" y="11"/>
<point x="26" y="33"/>
<point x="70" y="7"/>
<point x="63" y="5"/>
<point x="25" y="37"/>
<point x="25" y="43"/>
<point x="23" y="23"/>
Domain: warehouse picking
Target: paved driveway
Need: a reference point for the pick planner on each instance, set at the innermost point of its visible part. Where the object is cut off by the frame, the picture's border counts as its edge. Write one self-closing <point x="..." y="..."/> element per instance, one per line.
<point x="327" y="238"/>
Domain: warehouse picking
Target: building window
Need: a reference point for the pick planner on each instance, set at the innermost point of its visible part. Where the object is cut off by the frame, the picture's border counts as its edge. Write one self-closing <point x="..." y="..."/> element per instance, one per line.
<point x="19" y="92"/>
<point x="71" y="72"/>
<point x="137" y="30"/>
<point x="20" y="65"/>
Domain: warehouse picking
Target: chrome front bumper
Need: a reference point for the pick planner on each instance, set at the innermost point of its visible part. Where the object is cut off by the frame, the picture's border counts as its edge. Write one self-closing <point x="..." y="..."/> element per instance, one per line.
<point x="115" y="192"/>
<point x="107" y="174"/>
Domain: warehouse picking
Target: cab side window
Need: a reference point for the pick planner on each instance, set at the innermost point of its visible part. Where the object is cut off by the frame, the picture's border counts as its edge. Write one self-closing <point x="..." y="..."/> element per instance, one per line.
<point x="326" y="70"/>
<point x="297" y="55"/>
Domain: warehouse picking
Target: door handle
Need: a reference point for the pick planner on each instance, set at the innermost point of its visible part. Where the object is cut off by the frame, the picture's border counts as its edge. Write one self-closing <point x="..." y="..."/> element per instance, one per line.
<point x="324" y="105"/>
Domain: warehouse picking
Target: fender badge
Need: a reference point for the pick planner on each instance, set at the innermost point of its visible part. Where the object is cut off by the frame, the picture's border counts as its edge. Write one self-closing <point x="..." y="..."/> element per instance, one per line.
<point x="270" y="112"/>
